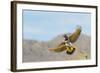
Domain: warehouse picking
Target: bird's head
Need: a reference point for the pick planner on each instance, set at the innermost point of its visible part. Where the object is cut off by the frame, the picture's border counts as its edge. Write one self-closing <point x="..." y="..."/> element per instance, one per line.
<point x="65" y="37"/>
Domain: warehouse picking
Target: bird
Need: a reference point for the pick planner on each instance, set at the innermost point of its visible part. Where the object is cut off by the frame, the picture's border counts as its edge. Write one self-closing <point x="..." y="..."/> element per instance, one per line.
<point x="68" y="45"/>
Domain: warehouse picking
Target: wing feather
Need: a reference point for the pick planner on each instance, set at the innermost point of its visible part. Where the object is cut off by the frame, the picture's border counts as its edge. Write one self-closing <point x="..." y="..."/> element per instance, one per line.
<point x="60" y="48"/>
<point x="74" y="36"/>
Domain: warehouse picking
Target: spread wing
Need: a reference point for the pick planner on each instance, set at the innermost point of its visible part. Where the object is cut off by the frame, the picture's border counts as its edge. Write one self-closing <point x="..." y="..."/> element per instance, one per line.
<point x="74" y="36"/>
<point x="60" y="48"/>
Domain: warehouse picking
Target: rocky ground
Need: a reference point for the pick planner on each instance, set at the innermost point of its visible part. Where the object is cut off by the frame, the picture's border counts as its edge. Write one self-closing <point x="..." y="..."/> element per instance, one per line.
<point x="37" y="51"/>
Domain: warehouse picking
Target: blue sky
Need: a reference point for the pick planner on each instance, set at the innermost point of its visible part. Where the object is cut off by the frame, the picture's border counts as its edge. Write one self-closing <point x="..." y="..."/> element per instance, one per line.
<point x="45" y="25"/>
